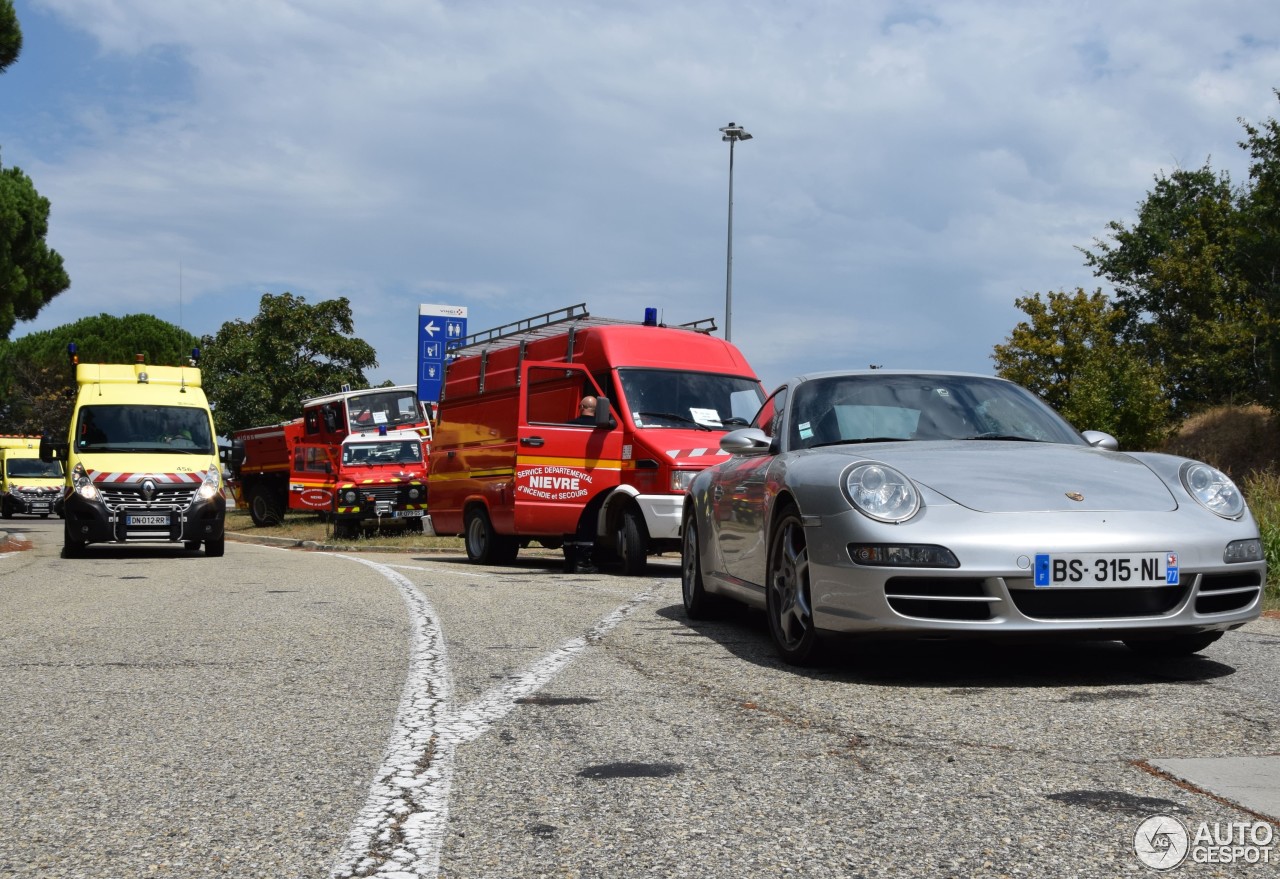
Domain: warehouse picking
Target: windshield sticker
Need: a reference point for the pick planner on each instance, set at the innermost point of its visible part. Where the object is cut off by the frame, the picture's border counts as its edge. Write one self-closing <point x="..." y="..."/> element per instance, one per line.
<point x="708" y="417"/>
<point x="806" y="430"/>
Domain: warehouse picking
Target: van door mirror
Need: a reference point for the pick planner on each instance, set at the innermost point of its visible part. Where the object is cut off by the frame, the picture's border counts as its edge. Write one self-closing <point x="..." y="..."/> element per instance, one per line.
<point x="604" y="414"/>
<point x="51" y="450"/>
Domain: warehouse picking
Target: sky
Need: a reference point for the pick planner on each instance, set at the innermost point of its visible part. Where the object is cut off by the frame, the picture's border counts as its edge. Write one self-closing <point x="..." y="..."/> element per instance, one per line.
<point x="915" y="168"/>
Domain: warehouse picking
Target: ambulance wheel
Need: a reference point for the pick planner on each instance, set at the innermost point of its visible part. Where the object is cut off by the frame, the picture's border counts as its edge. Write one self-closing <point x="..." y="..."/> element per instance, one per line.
<point x="6" y="509"/>
<point x="632" y="544"/>
<point x="214" y="549"/>
<point x="72" y="545"/>
<point x="264" y="507"/>
<point x="484" y="545"/>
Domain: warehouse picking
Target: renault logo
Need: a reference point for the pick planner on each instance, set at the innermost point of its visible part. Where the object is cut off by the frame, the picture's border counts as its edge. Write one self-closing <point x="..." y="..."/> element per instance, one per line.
<point x="148" y="490"/>
<point x="1075" y="495"/>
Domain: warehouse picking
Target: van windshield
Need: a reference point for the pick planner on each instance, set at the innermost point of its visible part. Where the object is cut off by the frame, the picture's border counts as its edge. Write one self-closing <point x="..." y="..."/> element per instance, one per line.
<point x="32" y="468"/>
<point x="680" y="399"/>
<point x="378" y="408"/>
<point x="143" y="429"/>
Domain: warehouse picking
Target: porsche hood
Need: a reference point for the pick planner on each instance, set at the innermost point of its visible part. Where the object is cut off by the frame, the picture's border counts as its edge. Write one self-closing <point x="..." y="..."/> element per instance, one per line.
<point x="1015" y="477"/>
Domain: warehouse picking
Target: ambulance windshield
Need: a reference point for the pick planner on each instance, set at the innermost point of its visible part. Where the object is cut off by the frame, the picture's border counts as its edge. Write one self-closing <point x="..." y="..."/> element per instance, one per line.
<point x="136" y="429"/>
<point x="675" y="398"/>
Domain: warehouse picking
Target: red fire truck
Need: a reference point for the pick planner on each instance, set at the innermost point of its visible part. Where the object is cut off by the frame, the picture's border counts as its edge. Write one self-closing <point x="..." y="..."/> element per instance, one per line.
<point x="507" y="466"/>
<point x="353" y="457"/>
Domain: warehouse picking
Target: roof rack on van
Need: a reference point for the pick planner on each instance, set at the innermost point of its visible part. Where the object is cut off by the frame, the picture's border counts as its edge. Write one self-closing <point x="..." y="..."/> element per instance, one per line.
<point x="553" y="323"/>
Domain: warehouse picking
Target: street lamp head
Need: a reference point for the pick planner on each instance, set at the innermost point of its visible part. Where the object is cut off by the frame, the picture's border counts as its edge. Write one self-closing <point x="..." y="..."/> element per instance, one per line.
<point x="734" y="131"/>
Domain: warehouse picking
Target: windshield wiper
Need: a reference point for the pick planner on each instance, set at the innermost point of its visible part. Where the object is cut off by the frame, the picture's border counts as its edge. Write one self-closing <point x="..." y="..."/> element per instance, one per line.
<point x="1012" y="437"/>
<point x="862" y="439"/>
<point x="674" y="416"/>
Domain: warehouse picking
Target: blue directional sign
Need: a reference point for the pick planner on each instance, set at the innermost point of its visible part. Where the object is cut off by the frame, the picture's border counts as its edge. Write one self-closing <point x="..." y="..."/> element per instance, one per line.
<point x="440" y="329"/>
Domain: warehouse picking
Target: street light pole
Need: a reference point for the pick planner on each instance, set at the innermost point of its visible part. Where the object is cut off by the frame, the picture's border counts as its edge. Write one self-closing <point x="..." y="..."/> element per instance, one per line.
<point x="732" y="133"/>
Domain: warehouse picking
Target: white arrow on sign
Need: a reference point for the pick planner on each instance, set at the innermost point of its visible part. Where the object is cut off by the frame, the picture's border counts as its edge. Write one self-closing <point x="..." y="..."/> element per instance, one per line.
<point x="431" y="329"/>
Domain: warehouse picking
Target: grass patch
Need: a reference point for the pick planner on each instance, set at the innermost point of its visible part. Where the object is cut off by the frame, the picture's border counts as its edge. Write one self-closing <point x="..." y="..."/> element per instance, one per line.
<point x="1262" y="490"/>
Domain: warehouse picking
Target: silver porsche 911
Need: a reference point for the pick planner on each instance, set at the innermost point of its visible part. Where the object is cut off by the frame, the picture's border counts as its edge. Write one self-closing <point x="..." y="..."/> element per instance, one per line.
<point x="886" y="503"/>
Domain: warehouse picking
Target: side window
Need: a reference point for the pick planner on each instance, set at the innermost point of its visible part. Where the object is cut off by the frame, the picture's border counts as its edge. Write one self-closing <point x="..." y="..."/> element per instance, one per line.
<point x="769" y="418"/>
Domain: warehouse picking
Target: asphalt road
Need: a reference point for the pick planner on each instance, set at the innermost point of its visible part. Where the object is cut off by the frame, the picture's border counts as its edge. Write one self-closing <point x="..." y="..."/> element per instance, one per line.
<point x="288" y="713"/>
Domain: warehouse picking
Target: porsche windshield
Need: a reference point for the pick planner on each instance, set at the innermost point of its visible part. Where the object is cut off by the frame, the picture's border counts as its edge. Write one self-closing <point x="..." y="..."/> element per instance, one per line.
<point x="883" y="407"/>
<point x="143" y="429"/>
<point x="674" y="398"/>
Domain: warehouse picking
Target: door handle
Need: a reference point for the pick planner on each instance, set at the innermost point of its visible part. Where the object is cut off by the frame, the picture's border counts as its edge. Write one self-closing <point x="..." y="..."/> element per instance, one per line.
<point x="531" y="441"/>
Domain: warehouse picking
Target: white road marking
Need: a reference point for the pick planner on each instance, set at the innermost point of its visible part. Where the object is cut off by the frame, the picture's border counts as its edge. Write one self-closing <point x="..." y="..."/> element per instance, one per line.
<point x="399" y="832"/>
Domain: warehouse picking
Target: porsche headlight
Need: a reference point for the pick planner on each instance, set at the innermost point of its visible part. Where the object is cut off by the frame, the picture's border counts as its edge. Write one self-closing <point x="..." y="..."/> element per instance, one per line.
<point x="1213" y="489"/>
<point x="82" y="485"/>
<point x="882" y="492"/>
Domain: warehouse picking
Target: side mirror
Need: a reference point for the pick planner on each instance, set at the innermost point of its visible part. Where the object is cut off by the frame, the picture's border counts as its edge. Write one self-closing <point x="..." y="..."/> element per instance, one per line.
<point x="52" y="451"/>
<point x="1100" y="440"/>
<point x="747" y="441"/>
<point x="234" y="456"/>
<point x="604" y="415"/>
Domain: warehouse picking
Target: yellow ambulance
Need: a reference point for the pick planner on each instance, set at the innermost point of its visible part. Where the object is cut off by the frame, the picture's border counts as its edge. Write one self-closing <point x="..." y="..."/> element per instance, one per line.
<point x="28" y="486"/>
<point x="141" y="458"/>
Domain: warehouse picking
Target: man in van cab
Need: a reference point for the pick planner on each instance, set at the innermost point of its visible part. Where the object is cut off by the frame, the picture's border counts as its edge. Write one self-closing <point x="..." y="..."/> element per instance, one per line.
<point x="586" y="411"/>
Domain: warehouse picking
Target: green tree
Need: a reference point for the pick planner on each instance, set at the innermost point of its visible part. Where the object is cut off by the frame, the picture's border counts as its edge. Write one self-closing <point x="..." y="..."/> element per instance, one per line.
<point x="1259" y="248"/>
<point x="36" y="378"/>
<point x="1185" y="301"/>
<point x="1070" y="354"/>
<point x="259" y="372"/>
<point x="10" y="35"/>
<point x="31" y="272"/>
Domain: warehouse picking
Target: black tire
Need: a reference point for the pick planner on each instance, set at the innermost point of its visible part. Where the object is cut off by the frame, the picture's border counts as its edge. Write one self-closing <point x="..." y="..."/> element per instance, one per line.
<point x="215" y="549"/>
<point x="789" y="608"/>
<point x="485" y="546"/>
<point x="265" y="508"/>
<point x="416" y="525"/>
<point x="72" y="546"/>
<point x="633" y="543"/>
<point x="1172" y="645"/>
<point x="6" y="509"/>
<point x="345" y="529"/>
<point x="191" y="545"/>
<point x="698" y="604"/>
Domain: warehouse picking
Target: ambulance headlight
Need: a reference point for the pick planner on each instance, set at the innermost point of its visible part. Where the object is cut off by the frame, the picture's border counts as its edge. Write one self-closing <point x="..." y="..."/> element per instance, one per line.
<point x="210" y="487"/>
<point x="82" y="485"/>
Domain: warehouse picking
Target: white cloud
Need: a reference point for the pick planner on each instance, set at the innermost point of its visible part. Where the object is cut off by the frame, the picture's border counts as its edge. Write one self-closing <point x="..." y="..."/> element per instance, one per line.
<point x="915" y="167"/>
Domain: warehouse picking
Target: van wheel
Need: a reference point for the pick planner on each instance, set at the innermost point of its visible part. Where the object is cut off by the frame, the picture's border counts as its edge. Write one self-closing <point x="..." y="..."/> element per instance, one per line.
<point x="215" y="548"/>
<point x="632" y="543"/>
<point x="72" y="545"/>
<point x="484" y="545"/>
<point x="264" y="507"/>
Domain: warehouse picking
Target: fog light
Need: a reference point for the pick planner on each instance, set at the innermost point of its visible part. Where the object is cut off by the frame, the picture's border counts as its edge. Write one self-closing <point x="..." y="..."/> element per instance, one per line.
<point x="907" y="555"/>
<point x="1243" y="551"/>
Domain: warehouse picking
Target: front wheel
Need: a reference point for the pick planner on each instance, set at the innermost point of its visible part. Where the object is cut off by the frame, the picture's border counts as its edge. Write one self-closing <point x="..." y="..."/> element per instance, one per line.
<point x="789" y="607"/>
<point x="215" y="548"/>
<point x="632" y="545"/>
<point x="1172" y="645"/>
<point x="72" y="545"/>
